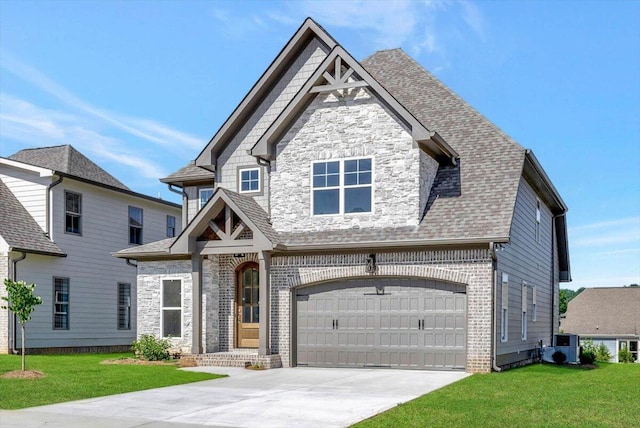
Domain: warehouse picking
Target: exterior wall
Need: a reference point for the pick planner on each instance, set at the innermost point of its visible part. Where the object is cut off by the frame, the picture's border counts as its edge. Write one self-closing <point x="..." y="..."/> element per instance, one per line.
<point x="235" y="155"/>
<point x="529" y="260"/>
<point x="93" y="272"/>
<point x="193" y="199"/>
<point x="210" y="304"/>
<point x="4" y="313"/>
<point x="474" y="265"/>
<point x="428" y="171"/>
<point x="30" y="189"/>
<point x="359" y="126"/>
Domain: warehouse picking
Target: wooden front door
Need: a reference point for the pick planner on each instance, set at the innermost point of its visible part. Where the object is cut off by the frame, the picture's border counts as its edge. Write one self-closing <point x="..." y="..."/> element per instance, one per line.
<point x="247" y="306"/>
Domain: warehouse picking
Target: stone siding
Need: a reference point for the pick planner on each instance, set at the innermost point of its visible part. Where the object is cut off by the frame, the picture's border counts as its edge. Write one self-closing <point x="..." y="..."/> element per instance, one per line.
<point x="4" y="313"/>
<point x="358" y="125"/>
<point x="472" y="266"/>
<point x="210" y="304"/>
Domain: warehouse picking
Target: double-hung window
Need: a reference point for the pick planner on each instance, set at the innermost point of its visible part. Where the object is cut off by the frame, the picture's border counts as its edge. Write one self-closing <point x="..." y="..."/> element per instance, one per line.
<point x="504" y="335"/>
<point x="342" y="186"/>
<point x="135" y="225"/>
<point x="205" y="194"/>
<point x="172" y="308"/>
<point x="61" y="303"/>
<point x="73" y="213"/>
<point x="524" y="311"/>
<point x="538" y="219"/>
<point x="171" y="226"/>
<point x="249" y="180"/>
<point x="124" y="306"/>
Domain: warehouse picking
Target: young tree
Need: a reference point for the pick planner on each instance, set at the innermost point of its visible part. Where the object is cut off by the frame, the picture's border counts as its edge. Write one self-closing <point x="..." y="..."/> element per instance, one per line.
<point x="21" y="301"/>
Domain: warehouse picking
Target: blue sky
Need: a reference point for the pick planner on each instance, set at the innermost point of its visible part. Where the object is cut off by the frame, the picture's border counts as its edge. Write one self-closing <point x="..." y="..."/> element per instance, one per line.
<point x="141" y="86"/>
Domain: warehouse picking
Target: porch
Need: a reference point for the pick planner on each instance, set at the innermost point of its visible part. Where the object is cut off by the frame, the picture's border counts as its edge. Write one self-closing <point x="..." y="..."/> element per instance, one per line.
<point x="236" y="358"/>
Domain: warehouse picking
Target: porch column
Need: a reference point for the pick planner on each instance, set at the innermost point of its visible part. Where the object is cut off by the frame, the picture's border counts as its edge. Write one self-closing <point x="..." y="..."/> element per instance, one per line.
<point x="196" y="303"/>
<point x="264" y="266"/>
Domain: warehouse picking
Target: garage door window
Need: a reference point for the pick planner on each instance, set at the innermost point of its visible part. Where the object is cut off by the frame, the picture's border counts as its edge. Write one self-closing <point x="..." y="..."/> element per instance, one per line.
<point x="342" y="186"/>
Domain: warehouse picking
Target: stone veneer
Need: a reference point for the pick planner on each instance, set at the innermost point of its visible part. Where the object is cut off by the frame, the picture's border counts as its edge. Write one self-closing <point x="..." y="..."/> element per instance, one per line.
<point x="4" y="313"/>
<point x="357" y="125"/>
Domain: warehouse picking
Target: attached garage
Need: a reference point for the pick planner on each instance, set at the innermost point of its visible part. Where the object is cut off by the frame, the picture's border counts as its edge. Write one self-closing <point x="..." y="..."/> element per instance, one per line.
<point x="382" y="322"/>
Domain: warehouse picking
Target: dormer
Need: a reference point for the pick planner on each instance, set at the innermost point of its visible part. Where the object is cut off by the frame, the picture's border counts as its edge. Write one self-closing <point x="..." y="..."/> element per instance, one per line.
<point x="195" y="184"/>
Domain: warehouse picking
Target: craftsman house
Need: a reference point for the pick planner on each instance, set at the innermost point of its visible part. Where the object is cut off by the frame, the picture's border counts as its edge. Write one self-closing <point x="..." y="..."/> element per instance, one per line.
<point x="61" y="216"/>
<point x="357" y="214"/>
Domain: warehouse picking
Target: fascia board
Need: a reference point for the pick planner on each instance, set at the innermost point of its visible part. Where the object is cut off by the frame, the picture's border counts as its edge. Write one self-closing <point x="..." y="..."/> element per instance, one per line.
<point x="42" y="172"/>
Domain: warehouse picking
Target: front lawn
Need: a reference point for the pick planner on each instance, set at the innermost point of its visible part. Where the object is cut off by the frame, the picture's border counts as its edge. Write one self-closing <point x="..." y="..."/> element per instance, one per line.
<point x="73" y="377"/>
<point x="536" y="395"/>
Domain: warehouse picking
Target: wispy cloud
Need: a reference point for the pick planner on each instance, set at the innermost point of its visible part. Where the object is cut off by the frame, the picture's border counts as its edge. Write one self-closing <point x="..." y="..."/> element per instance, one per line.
<point x="611" y="232"/>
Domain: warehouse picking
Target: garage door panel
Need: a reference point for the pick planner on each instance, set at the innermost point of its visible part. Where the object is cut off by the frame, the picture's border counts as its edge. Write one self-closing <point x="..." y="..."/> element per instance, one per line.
<point x="414" y="324"/>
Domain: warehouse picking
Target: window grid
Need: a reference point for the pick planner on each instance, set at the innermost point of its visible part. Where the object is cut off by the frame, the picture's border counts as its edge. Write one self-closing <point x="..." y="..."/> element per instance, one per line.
<point x="135" y="225"/>
<point x="205" y="194"/>
<point x="249" y="180"/>
<point x="171" y="226"/>
<point x="171" y="308"/>
<point x="342" y="186"/>
<point x="73" y="213"/>
<point x="61" y="303"/>
<point x="124" y="306"/>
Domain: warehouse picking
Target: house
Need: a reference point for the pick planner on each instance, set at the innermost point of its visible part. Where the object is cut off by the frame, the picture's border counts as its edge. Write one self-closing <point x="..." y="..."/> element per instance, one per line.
<point x="608" y="315"/>
<point x="61" y="217"/>
<point x="357" y="214"/>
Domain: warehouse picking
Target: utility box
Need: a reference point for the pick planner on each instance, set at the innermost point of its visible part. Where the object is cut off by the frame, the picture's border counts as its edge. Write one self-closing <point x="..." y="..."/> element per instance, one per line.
<point x="569" y="344"/>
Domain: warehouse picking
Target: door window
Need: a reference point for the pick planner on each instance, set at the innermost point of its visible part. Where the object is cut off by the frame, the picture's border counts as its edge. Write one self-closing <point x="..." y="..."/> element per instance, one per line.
<point x="250" y="295"/>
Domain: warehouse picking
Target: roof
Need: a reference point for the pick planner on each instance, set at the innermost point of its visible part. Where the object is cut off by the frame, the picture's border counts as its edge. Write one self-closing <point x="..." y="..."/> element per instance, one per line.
<point x="20" y="230"/>
<point x="604" y="312"/>
<point x="69" y="161"/>
<point x="151" y="249"/>
<point x="188" y="173"/>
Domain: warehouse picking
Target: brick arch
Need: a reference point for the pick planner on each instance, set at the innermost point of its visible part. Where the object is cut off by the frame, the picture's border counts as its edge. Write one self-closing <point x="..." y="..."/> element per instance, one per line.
<point x="406" y="271"/>
<point x="237" y="261"/>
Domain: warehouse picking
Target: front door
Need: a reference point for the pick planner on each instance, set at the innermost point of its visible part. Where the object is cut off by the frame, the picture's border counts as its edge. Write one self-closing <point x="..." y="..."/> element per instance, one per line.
<point x="247" y="306"/>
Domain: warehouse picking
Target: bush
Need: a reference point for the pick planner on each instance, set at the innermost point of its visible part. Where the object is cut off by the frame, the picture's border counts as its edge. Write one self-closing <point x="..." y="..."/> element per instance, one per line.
<point x="559" y="357"/>
<point x="150" y="348"/>
<point x="602" y="353"/>
<point x="625" y="356"/>
<point x="587" y="357"/>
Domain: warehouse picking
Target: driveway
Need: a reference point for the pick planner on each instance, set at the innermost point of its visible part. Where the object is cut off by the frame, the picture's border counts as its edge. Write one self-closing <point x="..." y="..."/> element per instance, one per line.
<point x="295" y="397"/>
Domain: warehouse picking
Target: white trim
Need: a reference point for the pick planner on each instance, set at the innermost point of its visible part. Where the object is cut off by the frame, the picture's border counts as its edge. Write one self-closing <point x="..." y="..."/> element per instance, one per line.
<point x="241" y="170"/>
<point x="524" y="320"/>
<point x="504" y="327"/>
<point x="534" y="303"/>
<point x="204" y="189"/>
<point x="43" y="172"/>
<point x="181" y="308"/>
<point x="538" y="219"/>
<point x="341" y="186"/>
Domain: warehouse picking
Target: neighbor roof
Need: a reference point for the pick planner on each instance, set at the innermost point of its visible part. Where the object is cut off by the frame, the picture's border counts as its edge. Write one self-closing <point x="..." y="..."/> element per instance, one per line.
<point x="20" y="231"/>
<point x="69" y="161"/>
<point x="604" y="312"/>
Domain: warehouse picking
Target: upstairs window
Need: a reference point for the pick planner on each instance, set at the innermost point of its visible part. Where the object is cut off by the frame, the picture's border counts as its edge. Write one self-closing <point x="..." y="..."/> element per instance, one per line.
<point x="342" y="186"/>
<point x="205" y="194"/>
<point x="61" y="303"/>
<point x="135" y="225"/>
<point x="171" y="226"/>
<point x="538" y="215"/>
<point x="249" y="180"/>
<point x="73" y="213"/>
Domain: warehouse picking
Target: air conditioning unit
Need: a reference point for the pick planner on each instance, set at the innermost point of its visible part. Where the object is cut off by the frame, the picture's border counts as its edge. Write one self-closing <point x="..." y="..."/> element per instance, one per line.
<point x="569" y="344"/>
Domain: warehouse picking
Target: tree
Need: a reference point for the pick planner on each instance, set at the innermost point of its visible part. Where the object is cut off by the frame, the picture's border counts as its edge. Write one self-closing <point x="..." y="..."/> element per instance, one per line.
<point x="566" y="296"/>
<point x="21" y="301"/>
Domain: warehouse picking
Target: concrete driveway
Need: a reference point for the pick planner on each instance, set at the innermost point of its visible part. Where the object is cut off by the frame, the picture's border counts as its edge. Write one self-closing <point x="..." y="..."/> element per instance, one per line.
<point x="295" y="397"/>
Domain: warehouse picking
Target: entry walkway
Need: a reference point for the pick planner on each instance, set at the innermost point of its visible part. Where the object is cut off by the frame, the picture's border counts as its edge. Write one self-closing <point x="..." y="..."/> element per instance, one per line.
<point x="278" y="398"/>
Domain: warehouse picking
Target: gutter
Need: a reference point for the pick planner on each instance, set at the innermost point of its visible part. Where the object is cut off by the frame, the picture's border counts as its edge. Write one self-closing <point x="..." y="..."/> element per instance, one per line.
<point x="494" y="312"/>
<point x="185" y="203"/>
<point x="48" y="203"/>
<point x="14" y="274"/>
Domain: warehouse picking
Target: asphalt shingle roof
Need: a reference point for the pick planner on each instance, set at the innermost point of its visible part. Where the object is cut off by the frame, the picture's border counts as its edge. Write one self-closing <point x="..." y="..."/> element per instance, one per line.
<point x="251" y="209"/>
<point x="67" y="160"/>
<point x="604" y="311"/>
<point x="189" y="172"/>
<point x="19" y="229"/>
<point x="152" y="247"/>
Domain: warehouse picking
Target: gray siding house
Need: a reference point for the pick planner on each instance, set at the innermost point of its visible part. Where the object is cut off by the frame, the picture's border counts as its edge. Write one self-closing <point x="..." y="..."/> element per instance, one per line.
<point x="61" y="217"/>
<point x="357" y="214"/>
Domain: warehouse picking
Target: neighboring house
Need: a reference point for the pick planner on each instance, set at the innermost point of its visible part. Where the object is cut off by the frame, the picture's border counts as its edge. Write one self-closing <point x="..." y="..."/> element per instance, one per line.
<point x="358" y="214"/>
<point x="606" y="315"/>
<point x="61" y="217"/>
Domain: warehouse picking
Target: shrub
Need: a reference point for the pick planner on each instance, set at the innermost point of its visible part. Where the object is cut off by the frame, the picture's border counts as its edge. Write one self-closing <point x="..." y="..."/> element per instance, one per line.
<point x="559" y="357"/>
<point x="587" y="357"/>
<point x="150" y="348"/>
<point x="602" y="353"/>
<point x="625" y="356"/>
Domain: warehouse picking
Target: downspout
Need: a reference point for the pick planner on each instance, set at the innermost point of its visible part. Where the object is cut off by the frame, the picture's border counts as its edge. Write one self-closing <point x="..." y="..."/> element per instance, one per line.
<point x="128" y="261"/>
<point x="553" y="280"/>
<point x="48" y="201"/>
<point x="185" y="204"/>
<point x="494" y="312"/>
<point x="14" y="274"/>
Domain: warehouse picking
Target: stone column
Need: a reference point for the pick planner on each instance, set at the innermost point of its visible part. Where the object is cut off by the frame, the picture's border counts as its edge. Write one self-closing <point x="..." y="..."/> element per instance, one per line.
<point x="196" y="301"/>
<point x="264" y="267"/>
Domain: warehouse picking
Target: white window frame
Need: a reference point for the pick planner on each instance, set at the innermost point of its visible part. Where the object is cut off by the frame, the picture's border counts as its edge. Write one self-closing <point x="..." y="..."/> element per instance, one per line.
<point x="538" y="219"/>
<point x="534" y="304"/>
<point x="240" y="171"/>
<point x="341" y="186"/>
<point x="504" y="329"/>
<point x="523" y="332"/>
<point x="163" y="308"/>
<point x="126" y="306"/>
<point x="68" y="213"/>
<point x="200" y="191"/>
<point x="57" y="301"/>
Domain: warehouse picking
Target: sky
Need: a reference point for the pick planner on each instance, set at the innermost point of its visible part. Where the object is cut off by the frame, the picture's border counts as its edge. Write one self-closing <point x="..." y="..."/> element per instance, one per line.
<point x="141" y="86"/>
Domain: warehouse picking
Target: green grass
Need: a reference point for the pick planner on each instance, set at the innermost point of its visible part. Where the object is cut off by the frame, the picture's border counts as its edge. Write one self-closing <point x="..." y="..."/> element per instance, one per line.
<point x="532" y="396"/>
<point x="74" y="377"/>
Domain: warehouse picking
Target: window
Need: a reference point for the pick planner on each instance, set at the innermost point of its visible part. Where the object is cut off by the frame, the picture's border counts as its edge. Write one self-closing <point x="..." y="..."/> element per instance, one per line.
<point x="538" y="220"/>
<point x="61" y="303"/>
<point x="631" y="346"/>
<point x="135" y="225"/>
<point x="172" y="308"/>
<point x="73" y="212"/>
<point x="342" y="186"/>
<point x="524" y="311"/>
<point x="124" y="306"/>
<point x="171" y="226"/>
<point x="249" y="180"/>
<point x="534" y="304"/>
<point x="205" y="195"/>
<point x="505" y="307"/>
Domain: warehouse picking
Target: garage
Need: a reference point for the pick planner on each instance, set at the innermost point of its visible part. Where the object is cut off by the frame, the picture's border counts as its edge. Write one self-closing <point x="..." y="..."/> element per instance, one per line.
<point x="382" y="322"/>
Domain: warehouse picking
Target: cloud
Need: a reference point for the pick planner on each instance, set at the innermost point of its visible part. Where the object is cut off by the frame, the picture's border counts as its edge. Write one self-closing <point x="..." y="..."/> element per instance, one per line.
<point x="620" y="232"/>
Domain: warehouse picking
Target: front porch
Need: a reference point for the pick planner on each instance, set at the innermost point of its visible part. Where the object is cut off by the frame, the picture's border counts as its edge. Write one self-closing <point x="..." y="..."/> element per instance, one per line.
<point x="236" y="358"/>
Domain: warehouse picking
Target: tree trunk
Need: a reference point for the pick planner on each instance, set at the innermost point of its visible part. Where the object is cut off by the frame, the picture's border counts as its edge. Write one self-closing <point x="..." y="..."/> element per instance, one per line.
<point x="22" y="330"/>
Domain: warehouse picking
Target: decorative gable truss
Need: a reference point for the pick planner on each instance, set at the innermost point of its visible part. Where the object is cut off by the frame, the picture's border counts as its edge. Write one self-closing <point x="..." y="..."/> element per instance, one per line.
<point x="339" y="79"/>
